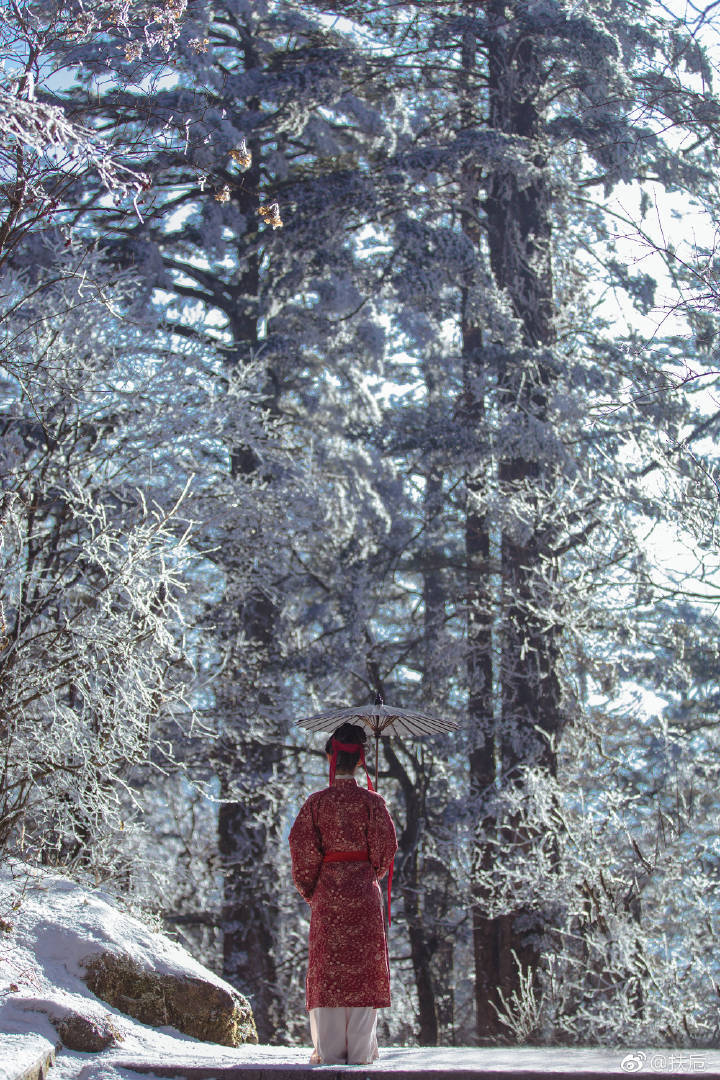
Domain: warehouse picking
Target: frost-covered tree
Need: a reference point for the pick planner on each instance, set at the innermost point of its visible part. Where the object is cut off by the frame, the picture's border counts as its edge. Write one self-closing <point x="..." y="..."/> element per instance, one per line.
<point x="44" y="146"/>
<point x="93" y="565"/>
<point x="262" y="130"/>
<point x="93" y="540"/>
<point x="537" y="105"/>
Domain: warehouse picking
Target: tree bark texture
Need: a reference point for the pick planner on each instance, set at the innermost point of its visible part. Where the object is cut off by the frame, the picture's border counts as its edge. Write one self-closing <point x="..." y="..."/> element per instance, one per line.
<point x="247" y="829"/>
<point x="513" y="638"/>
<point x="422" y="933"/>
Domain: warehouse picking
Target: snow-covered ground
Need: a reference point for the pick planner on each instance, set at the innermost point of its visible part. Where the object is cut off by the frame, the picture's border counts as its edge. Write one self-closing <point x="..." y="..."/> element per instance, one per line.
<point x="49" y="924"/>
<point x="572" y="1064"/>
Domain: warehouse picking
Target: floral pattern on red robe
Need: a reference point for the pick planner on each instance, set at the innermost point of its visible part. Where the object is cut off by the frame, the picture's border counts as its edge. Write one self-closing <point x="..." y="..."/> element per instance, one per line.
<point x="348" y="957"/>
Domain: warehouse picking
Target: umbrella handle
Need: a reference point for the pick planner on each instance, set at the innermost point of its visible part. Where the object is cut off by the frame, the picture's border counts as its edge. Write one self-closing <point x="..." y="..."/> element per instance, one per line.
<point x="377" y="744"/>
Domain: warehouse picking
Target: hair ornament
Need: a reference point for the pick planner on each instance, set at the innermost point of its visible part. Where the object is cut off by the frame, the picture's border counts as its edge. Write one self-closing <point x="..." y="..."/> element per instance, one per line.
<point x="349" y="748"/>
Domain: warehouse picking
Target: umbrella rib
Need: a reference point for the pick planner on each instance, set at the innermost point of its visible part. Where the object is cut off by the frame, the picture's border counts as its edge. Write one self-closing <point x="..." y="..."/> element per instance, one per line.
<point x="424" y="729"/>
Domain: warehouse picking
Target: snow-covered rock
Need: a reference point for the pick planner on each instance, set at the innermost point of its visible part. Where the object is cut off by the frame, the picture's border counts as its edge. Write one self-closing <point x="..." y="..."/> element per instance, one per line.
<point x="79" y="1032"/>
<point x="60" y="941"/>
<point x="195" y="1005"/>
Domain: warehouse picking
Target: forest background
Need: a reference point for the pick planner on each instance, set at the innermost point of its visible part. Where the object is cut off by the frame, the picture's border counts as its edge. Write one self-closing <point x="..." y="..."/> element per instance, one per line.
<point x="370" y="348"/>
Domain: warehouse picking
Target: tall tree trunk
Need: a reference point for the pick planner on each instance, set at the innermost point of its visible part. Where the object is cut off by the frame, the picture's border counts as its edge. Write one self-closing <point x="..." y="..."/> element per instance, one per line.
<point x="408" y="880"/>
<point x="481" y="604"/>
<point x="250" y="904"/>
<point x="248" y="832"/>
<point x="512" y="639"/>
<point x="481" y="703"/>
<point x="438" y="948"/>
<point x="519" y="240"/>
<point x="518" y="216"/>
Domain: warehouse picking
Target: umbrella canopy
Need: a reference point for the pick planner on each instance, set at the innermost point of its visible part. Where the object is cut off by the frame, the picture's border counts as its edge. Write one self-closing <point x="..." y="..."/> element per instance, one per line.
<point x="381" y="719"/>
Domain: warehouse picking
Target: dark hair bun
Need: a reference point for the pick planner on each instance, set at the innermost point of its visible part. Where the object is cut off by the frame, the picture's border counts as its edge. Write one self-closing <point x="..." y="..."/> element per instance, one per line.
<point x="347" y="733"/>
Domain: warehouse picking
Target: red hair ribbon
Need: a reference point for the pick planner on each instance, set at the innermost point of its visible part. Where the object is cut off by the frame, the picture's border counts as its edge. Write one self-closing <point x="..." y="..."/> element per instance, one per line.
<point x="391" y="867"/>
<point x="349" y="748"/>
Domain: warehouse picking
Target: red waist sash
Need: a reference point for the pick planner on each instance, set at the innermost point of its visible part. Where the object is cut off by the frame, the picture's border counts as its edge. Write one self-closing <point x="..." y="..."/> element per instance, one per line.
<point x="346" y="856"/>
<point x="359" y="856"/>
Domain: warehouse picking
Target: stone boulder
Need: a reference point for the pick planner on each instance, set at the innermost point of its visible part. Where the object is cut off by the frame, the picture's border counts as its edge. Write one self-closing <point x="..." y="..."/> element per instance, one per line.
<point x="205" y="1010"/>
<point x="90" y="1034"/>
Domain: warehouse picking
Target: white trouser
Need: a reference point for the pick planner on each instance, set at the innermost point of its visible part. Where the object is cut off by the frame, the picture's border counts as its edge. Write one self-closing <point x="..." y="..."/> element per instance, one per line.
<point x="343" y="1036"/>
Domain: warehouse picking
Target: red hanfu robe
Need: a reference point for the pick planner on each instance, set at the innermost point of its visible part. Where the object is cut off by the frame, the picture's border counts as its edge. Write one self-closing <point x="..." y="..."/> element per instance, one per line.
<point x="348" y="962"/>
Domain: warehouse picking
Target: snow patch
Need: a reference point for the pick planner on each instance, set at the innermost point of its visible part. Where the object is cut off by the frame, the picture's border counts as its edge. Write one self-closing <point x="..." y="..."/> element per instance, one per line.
<point x="49" y="925"/>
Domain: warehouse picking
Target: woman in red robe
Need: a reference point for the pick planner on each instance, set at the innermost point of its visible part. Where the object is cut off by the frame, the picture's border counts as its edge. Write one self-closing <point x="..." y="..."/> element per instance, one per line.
<point x="342" y="843"/>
